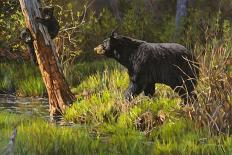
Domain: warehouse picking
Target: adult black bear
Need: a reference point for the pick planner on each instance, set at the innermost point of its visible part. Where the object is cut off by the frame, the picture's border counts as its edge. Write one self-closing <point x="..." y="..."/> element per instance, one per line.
<point x="49" y="20"/>
<point x="26" y="37"/>
<point x="149" y="63"/>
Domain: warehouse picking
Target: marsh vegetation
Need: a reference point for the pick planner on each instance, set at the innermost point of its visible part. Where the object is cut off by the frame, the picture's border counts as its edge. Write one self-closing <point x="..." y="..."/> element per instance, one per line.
<point x="101" y="121"/>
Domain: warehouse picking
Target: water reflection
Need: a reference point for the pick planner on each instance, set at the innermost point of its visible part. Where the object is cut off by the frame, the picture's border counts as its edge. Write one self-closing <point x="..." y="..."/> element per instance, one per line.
<point x="35" y="106"/>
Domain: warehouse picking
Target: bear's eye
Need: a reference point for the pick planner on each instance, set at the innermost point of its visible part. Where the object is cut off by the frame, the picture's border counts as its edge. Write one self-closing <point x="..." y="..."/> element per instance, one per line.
<point x="24" y="35"/>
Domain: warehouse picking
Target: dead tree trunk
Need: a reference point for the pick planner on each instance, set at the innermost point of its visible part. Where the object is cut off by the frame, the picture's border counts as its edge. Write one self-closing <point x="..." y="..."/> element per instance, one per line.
<point x="181" y="13"/>
<point x="58" y="90"/>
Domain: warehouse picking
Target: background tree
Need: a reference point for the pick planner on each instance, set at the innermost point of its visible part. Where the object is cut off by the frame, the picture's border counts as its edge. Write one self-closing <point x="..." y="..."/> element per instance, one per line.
<point x="181" y="13"/>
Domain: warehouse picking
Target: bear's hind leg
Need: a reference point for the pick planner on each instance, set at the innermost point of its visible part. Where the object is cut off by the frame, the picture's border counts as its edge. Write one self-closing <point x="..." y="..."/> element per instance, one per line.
<point x="182" y="92"/>
<point x="191" y="95"/>
<point x="149" y="90"/>
<point x="188" y="96"/>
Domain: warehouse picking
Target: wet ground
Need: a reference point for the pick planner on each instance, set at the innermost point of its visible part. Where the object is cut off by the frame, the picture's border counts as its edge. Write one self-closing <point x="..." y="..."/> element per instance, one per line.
<point x="32" y="106"/>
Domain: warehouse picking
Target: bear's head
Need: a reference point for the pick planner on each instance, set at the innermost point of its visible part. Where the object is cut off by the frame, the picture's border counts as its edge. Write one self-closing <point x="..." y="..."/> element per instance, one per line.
<point x="118" y="47"/>
<point x="47" y="12"/>
<point x="108" y="46"/>
<point x="26" y="36"/>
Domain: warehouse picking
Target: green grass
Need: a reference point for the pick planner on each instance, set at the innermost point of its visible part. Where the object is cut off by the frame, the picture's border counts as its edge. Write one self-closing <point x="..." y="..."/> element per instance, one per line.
<point x="104" y="122"/>
<point x="35" y="136"/>
<point x="24" y="79"/>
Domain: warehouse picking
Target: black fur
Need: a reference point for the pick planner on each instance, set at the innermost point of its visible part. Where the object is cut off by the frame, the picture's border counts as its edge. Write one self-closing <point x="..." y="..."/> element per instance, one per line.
<point x="26" y="37"/>
<point x="149" y="63"/>
<point x="49" y="20"/>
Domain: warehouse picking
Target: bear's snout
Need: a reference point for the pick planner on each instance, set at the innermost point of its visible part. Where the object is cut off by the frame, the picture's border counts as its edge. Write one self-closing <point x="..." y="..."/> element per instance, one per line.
<point x="99" y="49"/>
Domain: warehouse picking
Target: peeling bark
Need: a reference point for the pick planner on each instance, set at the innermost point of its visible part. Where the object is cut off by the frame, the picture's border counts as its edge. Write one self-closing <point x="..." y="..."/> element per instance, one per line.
<point x="58" y="90"/>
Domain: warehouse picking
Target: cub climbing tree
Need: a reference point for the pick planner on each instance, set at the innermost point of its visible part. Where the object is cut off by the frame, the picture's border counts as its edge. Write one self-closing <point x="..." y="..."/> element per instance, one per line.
<point x="59" y="93"/>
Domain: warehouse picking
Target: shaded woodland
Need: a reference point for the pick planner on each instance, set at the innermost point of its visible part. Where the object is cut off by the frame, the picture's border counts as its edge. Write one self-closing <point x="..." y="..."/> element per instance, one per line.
<point x="98" y="119"/>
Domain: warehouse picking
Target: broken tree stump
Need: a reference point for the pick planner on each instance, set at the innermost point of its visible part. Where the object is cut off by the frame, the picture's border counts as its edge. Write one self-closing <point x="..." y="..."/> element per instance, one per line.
<point x="59" y="93"/>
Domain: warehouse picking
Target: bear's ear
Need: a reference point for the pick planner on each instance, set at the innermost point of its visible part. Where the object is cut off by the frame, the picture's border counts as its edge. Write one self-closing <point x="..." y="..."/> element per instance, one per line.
<point x="51" y="8"/>
<point x="113" y="33"/>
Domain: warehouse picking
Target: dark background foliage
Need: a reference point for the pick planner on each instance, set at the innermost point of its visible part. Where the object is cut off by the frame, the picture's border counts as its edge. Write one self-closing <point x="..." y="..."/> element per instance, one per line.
<point x="84" y="24"/>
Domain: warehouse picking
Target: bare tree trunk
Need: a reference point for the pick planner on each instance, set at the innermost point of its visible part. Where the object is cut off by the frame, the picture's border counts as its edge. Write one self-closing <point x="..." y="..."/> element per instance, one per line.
<point x="181" y="13"/>
<point x="115" y="9"/>
<point x="58" y="90"/>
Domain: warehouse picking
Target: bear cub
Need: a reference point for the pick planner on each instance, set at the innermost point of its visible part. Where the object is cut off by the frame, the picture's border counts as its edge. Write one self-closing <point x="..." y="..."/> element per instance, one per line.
<point x="49" y="20"/>
<point x="26" y="37"/>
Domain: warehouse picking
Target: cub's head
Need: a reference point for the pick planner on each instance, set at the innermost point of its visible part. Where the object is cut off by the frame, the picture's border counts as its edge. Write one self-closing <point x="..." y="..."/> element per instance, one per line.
<point x="26" y="35"/>
<point x="47" y="12"/>
<point x="108" y="46"/>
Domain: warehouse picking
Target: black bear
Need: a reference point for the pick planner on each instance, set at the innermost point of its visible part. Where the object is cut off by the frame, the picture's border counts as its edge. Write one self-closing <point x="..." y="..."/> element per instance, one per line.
<point x="26" y="37"/>
<point x="49" y="20"/>
<point x="149" y="63"/>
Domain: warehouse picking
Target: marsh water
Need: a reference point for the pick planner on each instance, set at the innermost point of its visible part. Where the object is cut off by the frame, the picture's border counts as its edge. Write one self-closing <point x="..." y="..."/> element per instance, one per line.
<point x="31" y="106"/>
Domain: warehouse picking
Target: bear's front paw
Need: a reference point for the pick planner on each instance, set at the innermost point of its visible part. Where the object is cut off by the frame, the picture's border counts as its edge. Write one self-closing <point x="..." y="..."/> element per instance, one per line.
<point x="128" y="97"/>
<point x="37" y="19"/>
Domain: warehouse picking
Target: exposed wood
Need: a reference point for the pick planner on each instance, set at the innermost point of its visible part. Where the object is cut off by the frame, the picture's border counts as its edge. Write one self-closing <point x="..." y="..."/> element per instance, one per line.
<point x="58" y="90"/>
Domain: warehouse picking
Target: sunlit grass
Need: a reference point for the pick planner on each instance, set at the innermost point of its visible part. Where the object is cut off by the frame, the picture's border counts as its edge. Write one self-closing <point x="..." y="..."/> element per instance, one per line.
<point x="23" y="79"/>
<point x="103" y="108"/>
<point x="105" y="123"/>
<point x="35" y="136"/>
